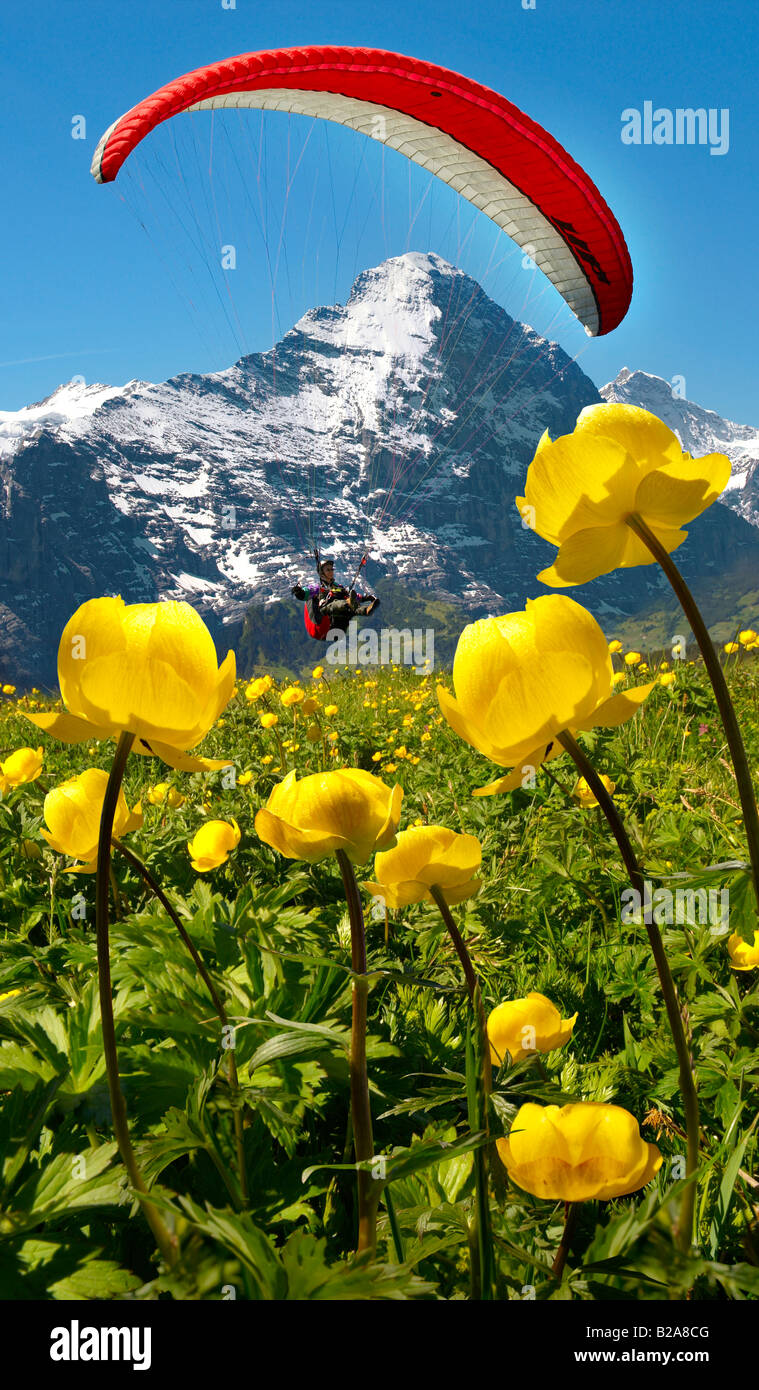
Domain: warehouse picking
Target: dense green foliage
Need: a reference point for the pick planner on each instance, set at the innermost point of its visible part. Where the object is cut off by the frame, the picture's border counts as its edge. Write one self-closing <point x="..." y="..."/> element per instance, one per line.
<point x="274" y="936"/>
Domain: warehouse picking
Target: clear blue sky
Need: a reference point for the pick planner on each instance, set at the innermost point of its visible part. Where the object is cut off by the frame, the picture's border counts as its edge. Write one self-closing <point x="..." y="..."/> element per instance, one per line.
<point x="83" y="291"/>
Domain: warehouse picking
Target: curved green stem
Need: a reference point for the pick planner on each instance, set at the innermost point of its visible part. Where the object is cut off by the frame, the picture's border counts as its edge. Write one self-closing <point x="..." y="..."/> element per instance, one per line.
<point x="481" y="1240"/>
<point x="157" y="891"/>
<point x="363" y="1143"/>
<point x="167" y="1243"/>
<point x="470" y="976"/>
<point x="674" y="1013"/>
<point x="719" y="686"/>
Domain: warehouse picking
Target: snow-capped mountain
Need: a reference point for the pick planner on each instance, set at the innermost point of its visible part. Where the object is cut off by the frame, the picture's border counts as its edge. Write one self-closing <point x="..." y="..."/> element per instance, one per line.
<point x="401" y="422"/>
<point x="699" y="431"/>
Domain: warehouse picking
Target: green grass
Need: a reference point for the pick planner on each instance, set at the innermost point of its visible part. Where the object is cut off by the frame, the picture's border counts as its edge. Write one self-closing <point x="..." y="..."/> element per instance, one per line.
<point x="274" y="936"/>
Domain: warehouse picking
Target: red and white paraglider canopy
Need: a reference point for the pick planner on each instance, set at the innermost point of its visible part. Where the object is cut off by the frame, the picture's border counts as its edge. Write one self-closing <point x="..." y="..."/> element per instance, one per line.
<point x="470" y="137"/>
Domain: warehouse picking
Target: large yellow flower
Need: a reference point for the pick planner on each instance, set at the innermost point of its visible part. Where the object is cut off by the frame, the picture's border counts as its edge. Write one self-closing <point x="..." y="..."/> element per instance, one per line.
<point x="23" y="765"/>
<point x="522" y="1026"/>
<point x="347" y="809"/>
<point x="574" y="1153"/>
<point x="212" y="844"/>
<point x="426" y="855"/>
<point x="523" y="678"/>
<point x="144" y="668"/>
<point x="619" y="461"/>
<point x="72" y="812"/>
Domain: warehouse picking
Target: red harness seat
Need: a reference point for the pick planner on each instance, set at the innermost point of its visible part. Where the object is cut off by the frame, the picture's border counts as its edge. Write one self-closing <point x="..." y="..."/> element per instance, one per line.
<point x="317" y="630"/>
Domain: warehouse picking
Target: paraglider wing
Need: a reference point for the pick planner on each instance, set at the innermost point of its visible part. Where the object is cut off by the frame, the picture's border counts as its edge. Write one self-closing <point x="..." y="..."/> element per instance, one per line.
<point x="472" y="138"/>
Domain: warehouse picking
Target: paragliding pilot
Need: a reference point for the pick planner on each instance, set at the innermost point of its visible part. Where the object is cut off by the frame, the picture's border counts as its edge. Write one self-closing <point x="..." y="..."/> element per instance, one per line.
<point x="330" y="606"/>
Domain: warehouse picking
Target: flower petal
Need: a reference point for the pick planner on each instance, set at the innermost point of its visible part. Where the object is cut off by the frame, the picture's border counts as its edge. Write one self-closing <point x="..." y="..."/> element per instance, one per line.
<point x="182" y="762"/>
<point x="68" y="727"/>
<point x="618" y="708"/>
<point x="683" y="490"/>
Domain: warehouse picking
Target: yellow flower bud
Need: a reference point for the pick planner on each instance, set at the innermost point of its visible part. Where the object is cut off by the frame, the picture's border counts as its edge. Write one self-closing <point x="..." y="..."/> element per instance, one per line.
<point x="522" y="1026"/>
<point x="744" y="955"/>
<point x="212" y="844"/>
<point x="23" y="765"/>
<point x="72" y="813"/>
<point x="585" y="796"/>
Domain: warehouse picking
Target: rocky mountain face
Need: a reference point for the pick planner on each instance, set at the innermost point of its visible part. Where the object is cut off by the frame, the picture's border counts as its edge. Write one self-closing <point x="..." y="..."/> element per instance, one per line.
<point x="400" y="423"/>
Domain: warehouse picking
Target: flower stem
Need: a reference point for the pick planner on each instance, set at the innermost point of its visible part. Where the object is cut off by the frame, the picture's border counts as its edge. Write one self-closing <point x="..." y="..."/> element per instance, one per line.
<point x="167" y="1243"/>
<point x="719" y="686"/>
<point x="363" y="1143"/>
<point x="234" y="1083"/>
<point x="570" y="1221"/>
<point x="438" y="896"/>
<point x="669" y="991"/>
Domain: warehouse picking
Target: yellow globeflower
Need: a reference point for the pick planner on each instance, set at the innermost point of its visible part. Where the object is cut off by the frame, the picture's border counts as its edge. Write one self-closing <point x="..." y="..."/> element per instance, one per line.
<point x="575" y="1153"/>
<point x="731" y="648"/>
<point x="667" y="678"/>
<point x="317" y="672"/>
<point x="72" y="813"/>
<point x="426" y="855"/>
<point x="313" y="733"/>
<point x="620" y="461"/>
<point x="743" y="954"/>
<point x="310" y="705"/>
<point x="157" y="794"/>
<point x="614" y="647"/>
<point x="212" y="844"/>
<point x="144" y="668"/>
<point x="585" y="796"/>
<point x="21" y="766"/>
<point x="9" y="690"/>
<point x="521" y="1026"/>
<point x="348" y="809"/>
<point x="268" y="720"/>
<point x="292" y="696"/>
<point x="747" y="636"/>
<point x="330" y="711"/>
<point x="255" y="689"/>
<point x="524" y="678"/>
<point x="175" y="798"/>
<point x="244" y="778"/>
<point x="633" y="659"/>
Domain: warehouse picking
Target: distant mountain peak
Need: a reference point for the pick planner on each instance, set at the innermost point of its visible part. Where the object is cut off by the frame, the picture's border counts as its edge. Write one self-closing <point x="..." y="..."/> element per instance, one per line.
<point x="401" y="422"/>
